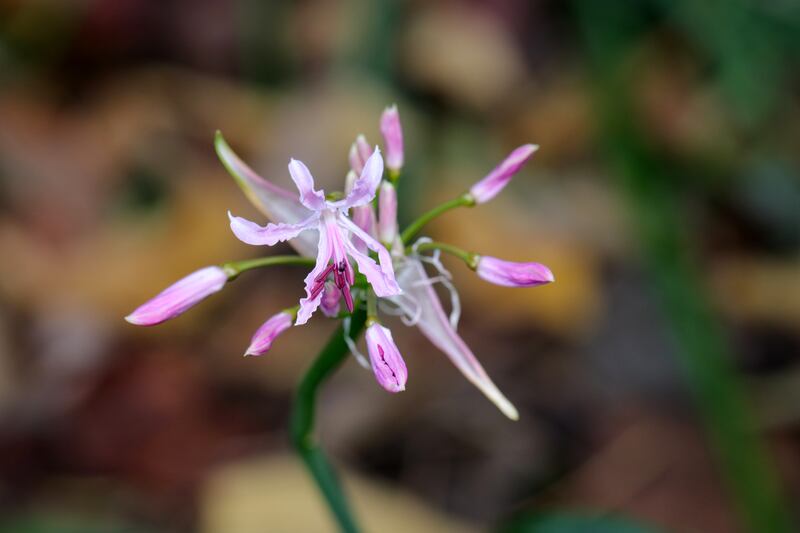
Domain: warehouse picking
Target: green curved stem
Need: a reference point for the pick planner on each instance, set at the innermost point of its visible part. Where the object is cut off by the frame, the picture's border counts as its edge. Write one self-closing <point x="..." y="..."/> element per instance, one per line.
<point x="302" y="422"/>
<point x="465" y="200"/>
<point x="470" y="258"/>
<point x="234" y="268"/>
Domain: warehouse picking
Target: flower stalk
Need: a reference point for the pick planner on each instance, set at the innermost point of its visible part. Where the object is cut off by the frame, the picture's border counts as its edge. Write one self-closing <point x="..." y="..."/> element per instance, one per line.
<point x="303" y="416"/>
<point x="465" y="200"/>
<point x="234" y="268"/>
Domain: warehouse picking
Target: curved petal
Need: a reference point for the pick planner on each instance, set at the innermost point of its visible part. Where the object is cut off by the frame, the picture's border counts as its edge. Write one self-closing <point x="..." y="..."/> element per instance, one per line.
<point x="310" y="303"/>
<point x="271" y="234"/>
<point x="382" y="279"/>
<point x="366" y="185"/>
<point x="276" y="203"/>
<point x="434" y="324"/>
<point x="309" y="196"/>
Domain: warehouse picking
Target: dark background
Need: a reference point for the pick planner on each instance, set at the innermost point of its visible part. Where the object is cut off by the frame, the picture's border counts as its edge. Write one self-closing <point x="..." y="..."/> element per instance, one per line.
<point x="665" y="198"/>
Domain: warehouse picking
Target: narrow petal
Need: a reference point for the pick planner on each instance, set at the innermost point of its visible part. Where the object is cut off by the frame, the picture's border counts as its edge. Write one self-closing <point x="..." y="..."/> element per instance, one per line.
<point x="393" y="138"/>
<point x="435" y="325"/>
<point x="511" y="274"/>
<point x="309" y="197"/>
<point x="359" y="153"/>
<point x="387" y="363"/>
<point x="268" y="332"/>
<point x="387" y="213"/>
<point x="179" y="297"/>
<point x="251" y="233"/>
<point x="276" y="203"/>
<point x="382" y="279"/>
<point x="366" y="185"/>
<point x="364" y="218"/>
<point x="310" y="303"/>
<point x="498" y="178"/>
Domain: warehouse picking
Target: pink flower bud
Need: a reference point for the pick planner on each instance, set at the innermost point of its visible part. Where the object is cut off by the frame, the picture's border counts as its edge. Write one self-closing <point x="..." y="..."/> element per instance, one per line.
<point x="359" y="153"/>
<point x="268" y="332"/>
<point x="497" y="179"/>
<point x="364" y="218"/>
<point x="387" y="363"/>
<point x="510" y="274"/>
<point x="393" y="138"/>
<point x="330" y="299"/>
<point x="387" y="213"/>
<point x="179" y="297"/>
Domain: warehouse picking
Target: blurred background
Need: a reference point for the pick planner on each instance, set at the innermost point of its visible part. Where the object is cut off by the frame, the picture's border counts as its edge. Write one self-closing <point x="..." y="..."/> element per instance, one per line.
<point x="665" y="198"/>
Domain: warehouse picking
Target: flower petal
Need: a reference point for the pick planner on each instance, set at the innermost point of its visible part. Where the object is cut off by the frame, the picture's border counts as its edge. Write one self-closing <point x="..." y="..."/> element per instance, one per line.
<point x="309" y="197"/>
<point x="251" y="233"/>
<point x="512" y="274"/>
<point x="498" y="178"/>
<point x="393" y="137"/>
<point x="387" y="363"/>
<point x="434" y="324"/>
<point x="310" y="303"/>
<point x="382" y="279"/>
<point x="276" y="203"/>
<point x="268" y="332"/>
<point x="366" y="185"/>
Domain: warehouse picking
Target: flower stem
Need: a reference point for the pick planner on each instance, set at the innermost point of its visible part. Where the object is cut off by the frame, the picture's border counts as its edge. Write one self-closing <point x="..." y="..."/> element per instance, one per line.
<point x="234" y="268"/>
<point x="302" y="422"/>
<point x="470" y="258"/>
<point x="465" y="200"/>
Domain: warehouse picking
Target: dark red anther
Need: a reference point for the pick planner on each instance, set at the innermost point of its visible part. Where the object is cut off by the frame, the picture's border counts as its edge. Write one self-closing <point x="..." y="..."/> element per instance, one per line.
<point x="348" y="298"/>
<point x="317" y="289"/>
<point x="324" y="274"/>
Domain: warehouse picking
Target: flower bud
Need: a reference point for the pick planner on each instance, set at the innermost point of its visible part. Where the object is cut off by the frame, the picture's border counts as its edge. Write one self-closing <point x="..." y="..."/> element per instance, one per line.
<point x="387" y="213"/>
<point x="359" y="153"/>
<point x="330" y="299"/>
<point x="179" y="297"/>
<point x="497" y="179"/>
<point x="387" y="363"/>
<point x="268" y="332"/>
<point x="364" y="218"/>
<point x="392" y="133"/>
<point x="511" y="274"/>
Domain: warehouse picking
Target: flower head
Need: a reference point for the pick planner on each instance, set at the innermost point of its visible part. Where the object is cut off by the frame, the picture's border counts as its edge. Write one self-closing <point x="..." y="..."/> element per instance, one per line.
<point x="179" y="297"/>
<point x="335" y="248"/>
<point x="268" y="332"/>
<point x="385" y="359"/>
<point x="498" y="178"/>
<point x="511" y="274"/>
<point x="392" y="133"/>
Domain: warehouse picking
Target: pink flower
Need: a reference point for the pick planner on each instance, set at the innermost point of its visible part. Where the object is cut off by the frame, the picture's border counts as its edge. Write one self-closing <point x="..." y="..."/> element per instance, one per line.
<point x="330" y="299"/>
<point x="497" y="179"/>
<point x="359" y="153"/>
<point x="511" y="274"/>
<point x="179" y="297"/>
<point x="392" y="133"/>
<point x="268" y="332"/>
<point x="387" y="363"/>
<point x="335" y="248"/>
<point x="387" y="213"/>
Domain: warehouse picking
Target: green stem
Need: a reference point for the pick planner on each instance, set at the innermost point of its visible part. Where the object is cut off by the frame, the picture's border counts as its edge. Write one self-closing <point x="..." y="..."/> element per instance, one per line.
<point x="234" y="268"/>
<point x="470" y="258"/>
<point x="465" y="200"/>
<point x="302" y="422"/>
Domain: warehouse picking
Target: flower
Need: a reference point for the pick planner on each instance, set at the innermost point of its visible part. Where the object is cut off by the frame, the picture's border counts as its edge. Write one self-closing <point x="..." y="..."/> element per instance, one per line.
<point x="392" y="133"/>
<point x="497" y="179"/>
<point x="330" y="299"/>
<point x="387" y="363"/>
<point x="511" y="274"/>
<point x="268" y="332"/>
<point x="387" y="213"/>
<point x="179" y="297"/>
<point x="334" y="245"/>
<point x="359" y="153"/>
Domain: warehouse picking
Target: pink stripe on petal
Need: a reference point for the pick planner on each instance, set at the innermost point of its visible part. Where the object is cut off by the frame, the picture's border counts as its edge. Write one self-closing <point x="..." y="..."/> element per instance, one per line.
<point x="309" y="197"/>
<point x="310" y="303"/>
<point x="269" y="235"/>
<point x="382" y="279"/>
<point x="179" y="297"/>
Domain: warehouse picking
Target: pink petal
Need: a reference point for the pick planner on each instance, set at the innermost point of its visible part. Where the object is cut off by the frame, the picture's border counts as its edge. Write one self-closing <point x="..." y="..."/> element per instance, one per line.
<point x="366" y="185"/>
<point x="330" y="302"/>
<point x="276" y="203"/>
<point x="393" y="137"/>
<point x="511" y="274"/>
<point x="268" y="332"/>
<point x="251" y="233"/>
<point x="309" y="197"/>
<point x="364" y="218"/>
<point x="309" y="304"/>
<point x="435" y="325"/>
<point x="381" y="278"/>
<point x="387" y="213"/>
<point x="498" y="178"/>
<point x="179" y="297"/>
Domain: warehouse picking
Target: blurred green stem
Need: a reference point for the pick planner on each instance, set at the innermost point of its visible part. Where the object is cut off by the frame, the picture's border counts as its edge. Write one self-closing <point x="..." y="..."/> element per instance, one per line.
<point x="469" y="258"/>
<point x="464" y="200"/>
<point x="234" y="268"/>
<point x="302" y="422"/>
<point x="612" y="31"/>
